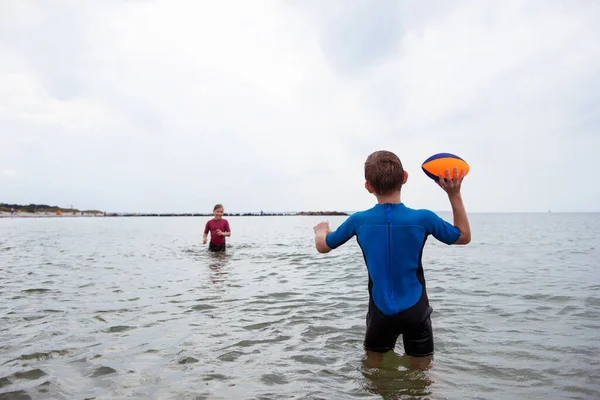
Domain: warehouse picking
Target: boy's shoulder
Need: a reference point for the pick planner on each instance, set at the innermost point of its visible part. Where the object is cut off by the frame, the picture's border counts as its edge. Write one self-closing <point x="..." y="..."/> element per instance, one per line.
<point x="362" y="216"/>
<point x="421" y="215"/>
<point x="419" y="210"/>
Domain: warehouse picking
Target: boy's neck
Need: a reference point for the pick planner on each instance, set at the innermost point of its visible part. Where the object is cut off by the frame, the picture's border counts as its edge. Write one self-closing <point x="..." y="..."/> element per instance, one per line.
<point x="392" y="198"/>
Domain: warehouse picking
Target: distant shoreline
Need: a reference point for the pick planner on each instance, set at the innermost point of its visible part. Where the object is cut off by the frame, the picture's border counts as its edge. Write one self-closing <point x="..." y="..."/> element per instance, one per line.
<point x="5" y="214"/>
<point x="28" y="215"/>
<point x="250" y="214"/>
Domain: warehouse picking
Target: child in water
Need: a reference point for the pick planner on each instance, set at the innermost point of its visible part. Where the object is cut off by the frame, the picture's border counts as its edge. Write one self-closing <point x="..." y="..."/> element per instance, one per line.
<point x="392" y="237"/>
<point x="218" y="228"/>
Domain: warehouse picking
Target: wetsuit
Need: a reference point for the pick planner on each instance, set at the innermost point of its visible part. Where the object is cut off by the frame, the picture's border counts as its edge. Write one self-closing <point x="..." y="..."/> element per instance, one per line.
<point x="217" y="243"/>
<point x="392" y="238"/>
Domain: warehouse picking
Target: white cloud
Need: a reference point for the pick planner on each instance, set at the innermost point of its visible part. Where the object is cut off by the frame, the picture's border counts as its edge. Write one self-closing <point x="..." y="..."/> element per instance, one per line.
<point x="163" y="106"/>
<point x="8" y="172"/>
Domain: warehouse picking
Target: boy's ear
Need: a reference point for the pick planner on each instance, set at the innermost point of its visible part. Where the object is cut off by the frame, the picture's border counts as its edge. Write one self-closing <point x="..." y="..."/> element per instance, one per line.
<point x="369" y="187"/>
<point x="405" y="177"/>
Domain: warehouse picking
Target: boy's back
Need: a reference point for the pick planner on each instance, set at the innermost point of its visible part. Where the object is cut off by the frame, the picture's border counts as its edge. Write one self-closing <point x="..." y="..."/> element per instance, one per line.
<point x="392" y="238"/>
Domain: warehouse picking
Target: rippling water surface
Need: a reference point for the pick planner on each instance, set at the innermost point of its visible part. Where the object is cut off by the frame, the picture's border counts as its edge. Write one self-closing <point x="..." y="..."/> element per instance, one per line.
<point x="112" y="308"/>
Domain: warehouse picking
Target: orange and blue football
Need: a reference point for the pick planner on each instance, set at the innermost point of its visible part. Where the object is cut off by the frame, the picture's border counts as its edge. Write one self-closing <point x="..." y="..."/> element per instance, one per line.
<point x="438" y="164"/>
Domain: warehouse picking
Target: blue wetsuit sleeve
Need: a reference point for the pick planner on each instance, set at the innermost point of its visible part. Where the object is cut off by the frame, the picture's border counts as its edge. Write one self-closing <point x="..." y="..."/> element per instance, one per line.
<point x="442" y="230"/>
<point x="342" y="234"/>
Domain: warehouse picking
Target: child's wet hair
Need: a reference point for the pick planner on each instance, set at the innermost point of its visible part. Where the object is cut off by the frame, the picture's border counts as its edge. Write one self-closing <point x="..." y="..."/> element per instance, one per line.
<point x="217" y="206"/>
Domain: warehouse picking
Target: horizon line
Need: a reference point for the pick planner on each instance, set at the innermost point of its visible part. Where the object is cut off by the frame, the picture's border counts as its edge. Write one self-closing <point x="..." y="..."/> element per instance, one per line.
<point x="346" y="211"/>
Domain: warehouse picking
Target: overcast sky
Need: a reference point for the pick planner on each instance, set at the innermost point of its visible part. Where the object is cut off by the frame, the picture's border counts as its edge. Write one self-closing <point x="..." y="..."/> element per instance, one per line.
<point x="173" y="106"/>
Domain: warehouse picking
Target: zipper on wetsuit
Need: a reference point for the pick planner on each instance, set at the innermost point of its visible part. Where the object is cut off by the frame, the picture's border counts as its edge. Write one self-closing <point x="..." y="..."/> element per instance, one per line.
<point x="389" y="263"/>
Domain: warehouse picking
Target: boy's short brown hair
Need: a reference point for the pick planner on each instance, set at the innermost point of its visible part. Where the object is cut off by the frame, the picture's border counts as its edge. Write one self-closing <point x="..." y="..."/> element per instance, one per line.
<point x="217" y="206"/>
<point x="384" y="172"/>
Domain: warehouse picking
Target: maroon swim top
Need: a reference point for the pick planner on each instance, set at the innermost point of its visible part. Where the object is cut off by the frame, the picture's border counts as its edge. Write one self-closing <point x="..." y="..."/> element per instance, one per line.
<point x="212" y="226"/>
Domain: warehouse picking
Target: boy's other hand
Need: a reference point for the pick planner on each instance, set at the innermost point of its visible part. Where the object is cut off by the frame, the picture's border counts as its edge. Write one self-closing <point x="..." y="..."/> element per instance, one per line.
<point x="204" y="241"/>
<point x="322" y="226"/>
<point x="321" y="232"/>
<point x="451" y="185"/>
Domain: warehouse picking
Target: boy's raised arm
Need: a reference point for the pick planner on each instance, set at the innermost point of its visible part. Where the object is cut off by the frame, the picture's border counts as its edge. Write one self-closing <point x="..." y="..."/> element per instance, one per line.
<point x="461" y="220"/>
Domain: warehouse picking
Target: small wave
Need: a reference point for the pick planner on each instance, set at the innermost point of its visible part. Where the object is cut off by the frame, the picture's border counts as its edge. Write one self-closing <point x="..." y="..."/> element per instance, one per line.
<point x="119" y="328"/>
<point x="36" y="290"/>
<point x="188" y="360"/>
<point x="102" y="371"/>
<point x="41" y="355"/>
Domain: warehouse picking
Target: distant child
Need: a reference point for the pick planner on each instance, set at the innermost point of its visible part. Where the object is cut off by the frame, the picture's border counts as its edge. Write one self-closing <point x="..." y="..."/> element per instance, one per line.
<point x="392" y="238"/>
<point x="218" y="228"/>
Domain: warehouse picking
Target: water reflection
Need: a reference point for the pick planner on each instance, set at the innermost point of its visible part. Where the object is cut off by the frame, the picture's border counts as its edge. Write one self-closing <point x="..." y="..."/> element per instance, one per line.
<point x="218" y="263"/>
<point x="393" y="376"/>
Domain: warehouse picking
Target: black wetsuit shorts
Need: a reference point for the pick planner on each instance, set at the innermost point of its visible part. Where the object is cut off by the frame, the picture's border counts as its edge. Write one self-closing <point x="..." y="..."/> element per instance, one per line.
<point x="413" y="324"/>
<point x="213" y="247"/>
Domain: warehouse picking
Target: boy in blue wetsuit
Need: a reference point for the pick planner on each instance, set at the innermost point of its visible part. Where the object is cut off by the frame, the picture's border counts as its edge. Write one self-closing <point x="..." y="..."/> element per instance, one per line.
<point x="392" y="237"/>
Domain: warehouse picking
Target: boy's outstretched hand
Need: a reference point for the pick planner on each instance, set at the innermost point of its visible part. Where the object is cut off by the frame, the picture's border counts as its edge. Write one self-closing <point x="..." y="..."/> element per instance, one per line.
<point x="322" y="226"/>
<point x="321" y="232"/>
<point x="449" y="184"/>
